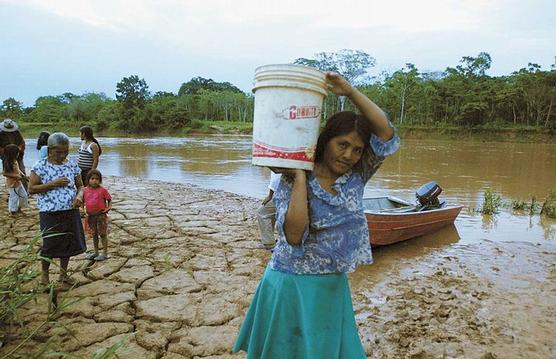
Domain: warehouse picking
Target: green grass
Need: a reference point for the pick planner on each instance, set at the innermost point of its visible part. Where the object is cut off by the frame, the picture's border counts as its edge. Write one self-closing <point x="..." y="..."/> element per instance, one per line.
<point x="491" y="202"/>
<point x="16" y="282"/>
<point x="549" y="206"/>
<point x="32" y="129"/>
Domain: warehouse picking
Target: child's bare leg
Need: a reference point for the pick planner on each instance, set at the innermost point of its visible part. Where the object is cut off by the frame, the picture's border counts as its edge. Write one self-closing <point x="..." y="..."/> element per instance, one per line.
<point x="64" y="261"/>
<point x="104" y="245"/>
<point x="95" y="243"/>
<point x="44" y="274"/>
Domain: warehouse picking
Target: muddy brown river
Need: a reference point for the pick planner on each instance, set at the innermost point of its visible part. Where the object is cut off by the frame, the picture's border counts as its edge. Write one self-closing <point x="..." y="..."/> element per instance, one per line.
<point x="464" y="169"/>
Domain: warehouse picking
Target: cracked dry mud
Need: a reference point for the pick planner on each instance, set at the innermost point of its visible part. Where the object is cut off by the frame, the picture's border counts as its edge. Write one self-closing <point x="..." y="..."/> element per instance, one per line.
<point x="185" y="263"/>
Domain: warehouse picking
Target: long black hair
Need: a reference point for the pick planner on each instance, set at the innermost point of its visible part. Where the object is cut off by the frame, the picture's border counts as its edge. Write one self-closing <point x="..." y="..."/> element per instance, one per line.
<point x="87" y="131"/>
<point x="11" y="152"/>
<point x="342" y="123"/>
<point x="43" y="139"/>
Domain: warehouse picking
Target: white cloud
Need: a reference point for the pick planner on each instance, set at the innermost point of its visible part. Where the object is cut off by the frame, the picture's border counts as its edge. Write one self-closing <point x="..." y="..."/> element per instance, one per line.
<point x="279" y="30"/>
<point x="150" y="15"/>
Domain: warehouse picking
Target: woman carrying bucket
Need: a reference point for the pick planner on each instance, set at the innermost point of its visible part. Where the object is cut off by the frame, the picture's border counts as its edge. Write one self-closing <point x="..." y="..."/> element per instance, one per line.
<point x="302" y="307"/>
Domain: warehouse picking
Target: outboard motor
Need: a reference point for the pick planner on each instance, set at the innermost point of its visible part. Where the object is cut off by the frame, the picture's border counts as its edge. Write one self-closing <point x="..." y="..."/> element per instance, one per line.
<point x="427" y="196"/>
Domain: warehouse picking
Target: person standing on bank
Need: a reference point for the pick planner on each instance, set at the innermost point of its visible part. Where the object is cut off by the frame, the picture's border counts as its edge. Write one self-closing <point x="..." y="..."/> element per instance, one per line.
<point x="302" y="307"/>
<point x="89" y="152"/>
<point x="10" y="135"/>
<point x="266" y="214"/>
<point x="18" y="195"/>
<point x="42" y="144"/>
<point x="57" y="183"/>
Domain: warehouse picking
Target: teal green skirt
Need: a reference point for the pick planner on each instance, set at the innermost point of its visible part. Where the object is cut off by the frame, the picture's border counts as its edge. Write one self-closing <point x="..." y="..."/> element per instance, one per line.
<point x="301" y="317"/>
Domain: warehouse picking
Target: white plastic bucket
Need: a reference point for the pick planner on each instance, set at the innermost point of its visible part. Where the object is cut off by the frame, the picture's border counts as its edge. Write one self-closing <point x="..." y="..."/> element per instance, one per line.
<point x="288" y="107"/>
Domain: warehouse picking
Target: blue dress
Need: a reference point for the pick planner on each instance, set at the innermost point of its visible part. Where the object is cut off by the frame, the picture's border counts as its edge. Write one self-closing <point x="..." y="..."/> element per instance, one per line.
<point x="60" y="223"/>
<point x="302" y="307"/>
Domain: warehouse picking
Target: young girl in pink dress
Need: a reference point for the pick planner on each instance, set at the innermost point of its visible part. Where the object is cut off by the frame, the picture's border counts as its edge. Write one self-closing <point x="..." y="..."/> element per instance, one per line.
<point x="97" y="203"/>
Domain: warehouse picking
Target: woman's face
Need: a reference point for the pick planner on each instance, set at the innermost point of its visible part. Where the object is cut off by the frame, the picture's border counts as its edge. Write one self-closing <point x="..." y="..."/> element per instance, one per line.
<point x="58" y="154"/>
<point x="343" y="152"/>
<point x="82" y="135"/>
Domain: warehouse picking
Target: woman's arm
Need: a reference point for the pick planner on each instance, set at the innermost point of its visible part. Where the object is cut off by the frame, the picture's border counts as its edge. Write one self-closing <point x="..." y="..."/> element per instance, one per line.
<point x="373" y="113"/>
<point x="11" y="175"/>
<point x="20" y="142"/>
<point x="297" y="216"/>
<point x="268" y="197"/>
<point x="108" y="206"/>
<point x="36" y="186"/>
<point x="78" y="201"/>
<point x="96" y="154"/>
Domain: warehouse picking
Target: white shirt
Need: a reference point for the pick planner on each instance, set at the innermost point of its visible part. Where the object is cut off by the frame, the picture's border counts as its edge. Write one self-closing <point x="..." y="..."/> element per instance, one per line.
<point x="274" y="181"/>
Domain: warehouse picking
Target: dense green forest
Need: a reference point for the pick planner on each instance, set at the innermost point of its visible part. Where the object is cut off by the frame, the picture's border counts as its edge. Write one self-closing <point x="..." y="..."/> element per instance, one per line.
<point x="462" y="96"/>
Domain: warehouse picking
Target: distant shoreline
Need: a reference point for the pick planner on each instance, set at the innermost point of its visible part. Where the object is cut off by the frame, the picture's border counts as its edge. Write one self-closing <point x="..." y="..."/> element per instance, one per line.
<point x="507" y="134"/>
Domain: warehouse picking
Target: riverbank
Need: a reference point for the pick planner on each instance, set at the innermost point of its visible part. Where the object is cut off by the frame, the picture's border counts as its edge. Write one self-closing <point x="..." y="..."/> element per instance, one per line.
<point x="498" y="134"/>
<point x="185" y="263"/>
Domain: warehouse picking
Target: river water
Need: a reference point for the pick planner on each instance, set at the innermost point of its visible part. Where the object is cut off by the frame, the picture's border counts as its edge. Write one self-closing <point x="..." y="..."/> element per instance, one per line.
<point x="464" y="169"/>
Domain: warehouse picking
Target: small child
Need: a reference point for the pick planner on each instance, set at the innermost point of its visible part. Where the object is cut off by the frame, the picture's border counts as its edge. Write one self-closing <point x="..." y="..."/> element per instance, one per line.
<point x="14" y="176"/>
<point x="97" y="203"/>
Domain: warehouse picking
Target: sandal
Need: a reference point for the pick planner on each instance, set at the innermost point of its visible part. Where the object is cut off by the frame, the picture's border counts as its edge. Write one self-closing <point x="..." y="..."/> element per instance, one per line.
<point x="91" y="256"/>
<point x="101" y="257"/>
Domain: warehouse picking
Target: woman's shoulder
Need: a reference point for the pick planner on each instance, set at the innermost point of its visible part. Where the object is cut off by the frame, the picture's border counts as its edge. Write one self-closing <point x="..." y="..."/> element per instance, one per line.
<point x="41" y="163"/>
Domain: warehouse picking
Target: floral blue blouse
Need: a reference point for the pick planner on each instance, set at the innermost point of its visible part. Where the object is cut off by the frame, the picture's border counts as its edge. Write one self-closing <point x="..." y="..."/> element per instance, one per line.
<point x="60" y="198"/>
<point x="337" y="240"/>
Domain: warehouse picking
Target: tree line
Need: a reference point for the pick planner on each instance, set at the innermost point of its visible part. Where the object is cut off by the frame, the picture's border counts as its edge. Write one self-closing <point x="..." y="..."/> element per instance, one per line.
<point x="463" y="95"/>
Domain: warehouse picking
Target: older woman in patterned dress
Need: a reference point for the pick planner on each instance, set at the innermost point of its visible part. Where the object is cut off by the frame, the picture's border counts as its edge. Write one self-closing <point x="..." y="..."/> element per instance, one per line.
<point x="302" y="307"/>
<point x="57" y="183"/>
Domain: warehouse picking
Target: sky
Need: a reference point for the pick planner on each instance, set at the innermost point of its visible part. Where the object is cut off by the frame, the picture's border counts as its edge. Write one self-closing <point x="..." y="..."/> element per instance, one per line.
<point x="49" y="47"/>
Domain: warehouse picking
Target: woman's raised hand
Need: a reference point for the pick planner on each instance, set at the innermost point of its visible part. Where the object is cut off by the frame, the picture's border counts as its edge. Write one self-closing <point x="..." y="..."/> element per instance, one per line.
<point x="60" y="182"/>
<point x="338" y="85"/>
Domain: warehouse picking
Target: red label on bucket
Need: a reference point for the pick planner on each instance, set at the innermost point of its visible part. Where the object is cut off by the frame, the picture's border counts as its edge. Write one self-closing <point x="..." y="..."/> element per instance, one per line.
<point x="298" y="154"/>
<point x="299" y="112"/>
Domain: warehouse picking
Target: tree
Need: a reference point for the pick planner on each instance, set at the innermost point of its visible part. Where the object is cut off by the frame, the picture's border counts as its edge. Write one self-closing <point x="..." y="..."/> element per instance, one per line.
<point x="196" y="84"/>
<point x="353" y="65"/>
<point x="402" y="82"/>
<point x="85" y="108"/>
<point x="163" y="94"/>
<point x="11" y="108"/>
<point x="537" y="91"/>
<point x="474" y="66"/>
<point x="132" y="92"/>
<point x="169" y="111"/>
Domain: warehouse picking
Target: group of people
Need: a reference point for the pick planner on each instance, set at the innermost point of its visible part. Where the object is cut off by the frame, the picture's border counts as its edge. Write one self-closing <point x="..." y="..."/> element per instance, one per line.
<point x="302" y="307"/>
<point x="62" y="186"/>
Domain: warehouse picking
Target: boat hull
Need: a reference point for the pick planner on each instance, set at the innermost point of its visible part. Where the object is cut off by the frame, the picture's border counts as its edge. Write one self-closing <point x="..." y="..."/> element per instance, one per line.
<point x="389" y="228"/>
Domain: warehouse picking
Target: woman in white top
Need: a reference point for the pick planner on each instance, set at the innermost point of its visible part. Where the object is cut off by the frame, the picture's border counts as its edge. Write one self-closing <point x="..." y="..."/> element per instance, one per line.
<point x="89" y="152"/>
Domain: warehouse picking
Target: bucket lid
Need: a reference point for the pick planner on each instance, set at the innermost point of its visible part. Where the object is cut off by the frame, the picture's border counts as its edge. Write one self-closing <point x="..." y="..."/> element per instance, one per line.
<point x="290" y="75"/>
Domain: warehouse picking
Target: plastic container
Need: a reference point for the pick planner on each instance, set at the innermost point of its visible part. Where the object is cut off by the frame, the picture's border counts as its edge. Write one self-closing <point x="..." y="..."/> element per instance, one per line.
<point x="288" y="107"/>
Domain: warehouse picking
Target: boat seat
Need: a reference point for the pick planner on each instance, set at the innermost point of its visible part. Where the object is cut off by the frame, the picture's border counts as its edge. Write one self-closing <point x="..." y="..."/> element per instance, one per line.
<point x="400" y="210"/>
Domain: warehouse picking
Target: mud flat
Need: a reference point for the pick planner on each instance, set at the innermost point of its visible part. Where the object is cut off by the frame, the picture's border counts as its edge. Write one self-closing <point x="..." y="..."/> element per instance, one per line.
<point x="186" y="261"/>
